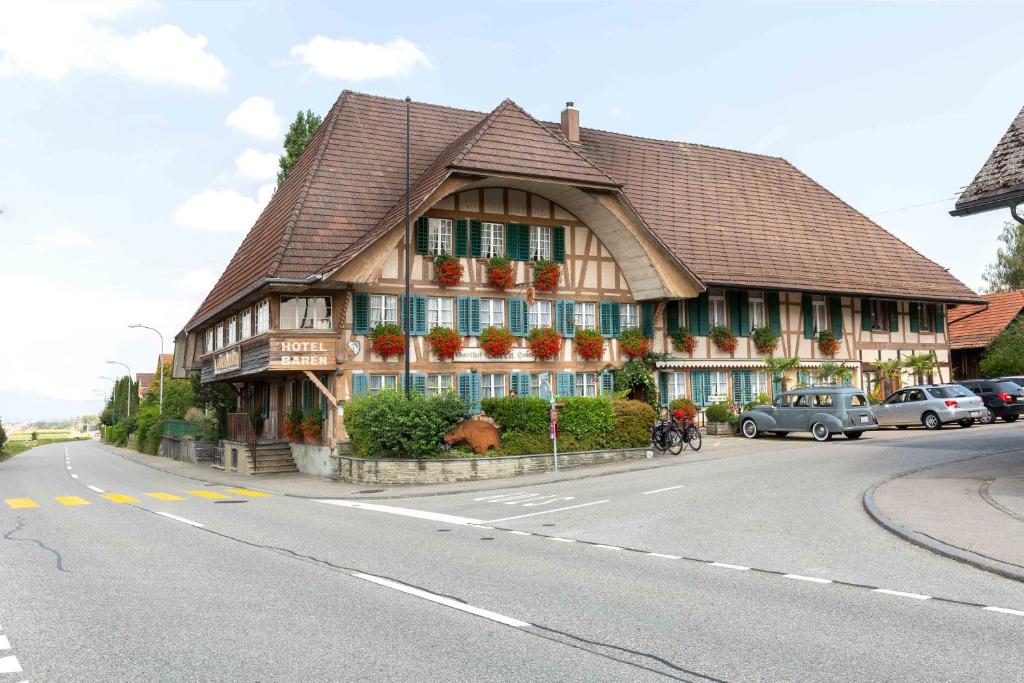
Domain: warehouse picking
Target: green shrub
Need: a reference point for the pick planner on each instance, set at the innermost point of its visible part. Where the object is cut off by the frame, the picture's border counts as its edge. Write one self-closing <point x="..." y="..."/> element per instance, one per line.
<point x="35" y="436"/>
<point x="590" y="420"/>
<point x="388" y="424"/>
<point x="528" y="414"/>
<point x="526" y="443"/>
<point x="718" y="413"/>
<point x="633" y="422"/>
<point x="149" y="440"/>
<point x="3" y="436"/>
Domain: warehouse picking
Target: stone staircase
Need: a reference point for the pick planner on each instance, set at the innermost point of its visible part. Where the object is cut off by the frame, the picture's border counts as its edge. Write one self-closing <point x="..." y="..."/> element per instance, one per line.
<point x="273" y="457"/>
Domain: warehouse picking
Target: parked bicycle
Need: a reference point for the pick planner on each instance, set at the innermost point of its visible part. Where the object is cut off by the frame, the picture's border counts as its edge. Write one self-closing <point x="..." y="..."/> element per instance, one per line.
<point x="671" y="434"/>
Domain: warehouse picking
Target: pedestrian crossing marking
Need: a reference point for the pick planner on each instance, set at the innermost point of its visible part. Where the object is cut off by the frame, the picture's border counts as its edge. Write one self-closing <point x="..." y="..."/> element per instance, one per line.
<point x="71" y="500"/>
<point x="164" y="496"/>
<point x="212" y="495"/>
<point x="247" y="492"/>
<point x="18" y="503"/>
<point x="120" y="498"/>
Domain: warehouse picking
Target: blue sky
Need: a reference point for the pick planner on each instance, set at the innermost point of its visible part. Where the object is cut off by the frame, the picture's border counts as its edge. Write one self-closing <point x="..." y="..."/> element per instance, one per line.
<point x="125" y="190"/>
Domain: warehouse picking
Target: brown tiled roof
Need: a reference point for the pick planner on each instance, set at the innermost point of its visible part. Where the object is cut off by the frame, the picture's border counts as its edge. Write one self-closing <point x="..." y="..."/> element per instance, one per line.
<point x="730" y="217"/>
<point x="1001" y="180"/>
<point x="975" y="326"/>
<point x="144" y="379"/>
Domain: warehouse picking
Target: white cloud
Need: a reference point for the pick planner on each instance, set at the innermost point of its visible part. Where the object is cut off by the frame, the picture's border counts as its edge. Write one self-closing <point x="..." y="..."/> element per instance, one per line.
<point x="257" y="165"/>
<point x="351" y="60"/>
<point x="256" y="116"/>
<point x="63" y="238"/>
<point x="222" y="210"/>
<point x="43" y="40"/>
<point x="198" y="281"/>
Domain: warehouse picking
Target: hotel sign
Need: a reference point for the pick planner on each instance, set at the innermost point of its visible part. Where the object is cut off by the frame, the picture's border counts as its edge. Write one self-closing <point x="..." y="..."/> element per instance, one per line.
<point x="290" y="353"/>
<point x="226" y="361"/>
<point x="477" y="355"/>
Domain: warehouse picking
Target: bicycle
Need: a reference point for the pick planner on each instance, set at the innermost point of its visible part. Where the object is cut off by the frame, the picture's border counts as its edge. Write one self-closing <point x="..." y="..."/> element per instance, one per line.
<point x="666" y="436"/>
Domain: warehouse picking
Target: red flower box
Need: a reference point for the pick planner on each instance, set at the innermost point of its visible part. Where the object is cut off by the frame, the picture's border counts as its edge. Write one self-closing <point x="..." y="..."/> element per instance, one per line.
<point x="828" y="344"/>
<point x="684" y="341"/>
<point x="546" y="275"/>
<point x="589" y="344"/>
<point x="633" y="343"/>
<point x="496" y="342"/>
<point x="499" y="273"/>
<point x="445" y="342"/>
<point x="544" y="343"/>
<point x="723" y="338"/>
<point x="447" y="270"/>
<point x="388" y="340"/>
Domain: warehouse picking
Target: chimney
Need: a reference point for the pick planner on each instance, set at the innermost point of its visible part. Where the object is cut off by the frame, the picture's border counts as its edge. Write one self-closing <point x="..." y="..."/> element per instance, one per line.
<point x="571" y="123"/>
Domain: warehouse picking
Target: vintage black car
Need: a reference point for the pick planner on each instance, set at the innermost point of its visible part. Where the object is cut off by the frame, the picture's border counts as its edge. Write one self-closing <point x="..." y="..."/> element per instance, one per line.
<point x="822" y="411"/>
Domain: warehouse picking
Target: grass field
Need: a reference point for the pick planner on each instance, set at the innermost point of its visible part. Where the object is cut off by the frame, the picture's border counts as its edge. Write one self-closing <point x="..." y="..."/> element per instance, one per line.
<point x="19" y="442"/>
<point x="43" y="434"/>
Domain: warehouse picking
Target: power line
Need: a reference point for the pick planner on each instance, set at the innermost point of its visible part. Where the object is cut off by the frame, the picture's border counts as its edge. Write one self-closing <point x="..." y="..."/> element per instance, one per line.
<point x="913" y="206"/>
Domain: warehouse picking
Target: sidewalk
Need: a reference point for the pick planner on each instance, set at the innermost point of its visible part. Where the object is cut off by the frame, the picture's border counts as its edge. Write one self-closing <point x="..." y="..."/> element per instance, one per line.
<point x="972" y="511"/>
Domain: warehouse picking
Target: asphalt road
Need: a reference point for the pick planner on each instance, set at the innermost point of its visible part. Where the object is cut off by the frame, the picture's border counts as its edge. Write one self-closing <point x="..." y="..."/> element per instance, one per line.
<point x="746" y="565"/>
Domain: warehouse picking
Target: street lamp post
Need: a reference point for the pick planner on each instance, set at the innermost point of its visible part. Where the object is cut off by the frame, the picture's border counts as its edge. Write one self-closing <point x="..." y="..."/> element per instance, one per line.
<point x="160" y="363"/>
<point x="129" y="396"/>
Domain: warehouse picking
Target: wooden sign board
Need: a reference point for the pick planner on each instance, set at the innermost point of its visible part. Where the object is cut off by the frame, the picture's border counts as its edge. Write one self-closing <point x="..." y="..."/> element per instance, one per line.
<point x="226" y="361"/>
<point x="297" y="353"/>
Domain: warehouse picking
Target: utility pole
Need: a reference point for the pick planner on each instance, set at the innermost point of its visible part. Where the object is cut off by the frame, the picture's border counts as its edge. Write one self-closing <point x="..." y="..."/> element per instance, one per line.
<point x="160" y="362"/>
<point x="407" y="313"/>
<point x="129" y="396"/>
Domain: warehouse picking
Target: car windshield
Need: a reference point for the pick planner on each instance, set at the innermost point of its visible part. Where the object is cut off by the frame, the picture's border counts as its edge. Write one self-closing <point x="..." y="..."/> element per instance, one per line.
<point x="1019" y="381"/>
<point x="1007" y="386"/>
<point x="949" y="392"/>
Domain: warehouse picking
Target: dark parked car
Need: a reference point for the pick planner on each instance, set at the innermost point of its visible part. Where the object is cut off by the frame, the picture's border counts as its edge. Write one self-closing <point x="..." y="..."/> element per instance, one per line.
<point x="1001" y="399"/>
<point x="822" y="411"/>
<point x="1015" y="380"/>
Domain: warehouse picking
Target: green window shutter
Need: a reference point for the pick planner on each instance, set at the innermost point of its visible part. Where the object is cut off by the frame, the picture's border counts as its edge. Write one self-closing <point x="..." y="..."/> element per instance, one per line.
<point x="474" y="315"/>
<point x="558" y="244"/>
<point x="512" y="241"/>
<point x="672" y="314"/>
<point x="808" y="310"/>
<point x="771" y="300"/>
<point x="464" y="385"/>
<point x="894" y="317"/>
<point x="607" y="330"/>
<point x="461" y="237"/>
<point x="474" y="393"/>
<point x="663" y="388"/>
<point x="524" y="242"/>
<point x="804" y="377"/>
<point x="647" y="319"/>
<point x="865" y="315"/>
<point x="700" y="382"/>
<point x="940" y="318"/>
<point x="742" y="387"/>
<point x="360" y="312"/>
<point x="607" y="382"/>
<point x="565" y="384"/>
<point x="520" y="382"/>
<point x="703" y="305"/>
<point x="462" y="315"/>
<point x="743" y="308"/>
<point x="419" y="383"/>
<point x="419" y="314"/>
<point x="517" y="316"/>
<point x="693" y="315"/>
<point x="360" y="385"/>
<point x="915" y="316"/>
<point x="835" y="311"/>
<point x="776" y="384"/>
<point x="422" y="235"/>
<point x="475" y="239"/>
<point x="559" y="316"/>
<point x="569" y="328"/>
<point x="307" y="394"/>
<point x="732" y="305"/>
<point x="616" y="319"/>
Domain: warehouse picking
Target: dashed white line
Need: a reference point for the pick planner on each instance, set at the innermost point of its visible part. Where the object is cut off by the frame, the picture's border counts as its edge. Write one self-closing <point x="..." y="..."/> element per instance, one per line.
<point x="9" y="665"/>
<point x="74" y="476"/>
<point x="667" y="557"/>
<point x="915" y="596"/>
<point x="5" y="644"/>
<point x="1006" y="610"/>
<point x="725" y="565"/>
<point x="800" y="577"/>
<point x="447" y="602"/>
<point x="545" y="512"/>
<point x="181" y="519"/>
<point x="521" y="533"/>
<point x="607" y="547"/>
<point x="404" y="512"/>
<point x="95" y="488"/>
<point x="670" y="488"/>
<point x="561" y="540"/>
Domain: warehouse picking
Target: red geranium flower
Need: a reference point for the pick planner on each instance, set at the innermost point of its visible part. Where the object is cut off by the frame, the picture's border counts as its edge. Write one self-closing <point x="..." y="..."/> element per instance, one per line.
<point x="546" y="275"/>
<point x="589" y="344"/>
<point x="499" y="273"/>
<point x="447" y="270"/>
<point x="496" y="342"/>
<point x="544" y="343"/>
<point x="445" y="342"/>
<point x="388" y="340"/>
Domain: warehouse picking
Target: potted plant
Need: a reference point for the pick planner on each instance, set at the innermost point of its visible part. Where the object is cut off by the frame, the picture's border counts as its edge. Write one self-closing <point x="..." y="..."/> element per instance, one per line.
<point x="447" y="270"/>
<point x="827" y="342"/>
<point x="720" y="420"/>
<point x="684" y="409"/>
<point x="546" y="275"/>
<point x="723" y="338"/>
<point x="312" y="423"/>
<point x="293" y="424"/>
<point x="544" y="343"/>
<point x="589" y="344"/>
<point x="496" y="341"/>
<point x="684" y="341"/>
<point x="633" y="343"/>
<point x="444" y="342"/>
<point x="765" y="341"/>
<point x="499" y="273"/>
<point x="387" y="340"/>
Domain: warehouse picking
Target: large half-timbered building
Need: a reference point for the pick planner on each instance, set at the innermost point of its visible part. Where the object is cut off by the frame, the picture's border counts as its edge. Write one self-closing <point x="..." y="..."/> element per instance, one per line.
<point x="658" y="235"/>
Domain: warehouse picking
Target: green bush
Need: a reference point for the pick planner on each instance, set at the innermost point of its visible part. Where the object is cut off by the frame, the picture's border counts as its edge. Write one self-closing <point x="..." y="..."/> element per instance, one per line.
<point x="388" y="424"/>
<point x="590" y="420"/>
<point x="528" y="414"/>
<point x="633" y="422"/>
<point x="149" y="440"/>
<point x="526" y="443"/>
<point x="718" y="413"/>
<point x="3" y="436"/>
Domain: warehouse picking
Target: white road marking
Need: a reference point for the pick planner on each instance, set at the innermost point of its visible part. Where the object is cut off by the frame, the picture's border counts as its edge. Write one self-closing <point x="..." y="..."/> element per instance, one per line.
<point x="74" y="476"/>
<point x="5" y="644"/>
<point x="1006" y="610"/>
<point x="607" y="547"/>
<point x="916" y="596"/>
<point x="544" y="512"/>
<point x="521" y="533"/>
<point x="561" y="540"/>
<point x="404" y="512"/>
<point x="9" y="665"/>
<point x="670" y="488"/>
<point x="182" y="520"/>
<point x="482" y="526"/>
<point x="447" y="602"/>
<point x="667" y="557"/>
<point x="812" y="579"/>
<point x="537" y="502"/>
<point x="94" y="488"/>
<point x="739" y="567"/>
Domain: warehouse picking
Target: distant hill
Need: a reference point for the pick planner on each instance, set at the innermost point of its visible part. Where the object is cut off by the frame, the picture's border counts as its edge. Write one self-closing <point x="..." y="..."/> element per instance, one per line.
<point x="21" y="406"/>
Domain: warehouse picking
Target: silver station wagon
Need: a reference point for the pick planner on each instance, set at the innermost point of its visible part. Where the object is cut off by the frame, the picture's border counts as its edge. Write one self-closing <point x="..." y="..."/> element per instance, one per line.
<point x="822" y="411"/>
<point x="931" y="405"/>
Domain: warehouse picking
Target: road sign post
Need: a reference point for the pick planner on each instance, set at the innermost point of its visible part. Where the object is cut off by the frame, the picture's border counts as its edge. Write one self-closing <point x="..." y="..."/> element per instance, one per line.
<point x="553" y="431"/>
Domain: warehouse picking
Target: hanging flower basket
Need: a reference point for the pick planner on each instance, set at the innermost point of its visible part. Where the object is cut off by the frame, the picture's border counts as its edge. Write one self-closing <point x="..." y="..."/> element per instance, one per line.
<point x="589" y="344"/>
<point x="387" y="340"/>
<point x="684" y="341"/>
<point x="499" y="273"/>
<point x="447" y="270"/>
<point x="723" y="338"/>
<point x="633" y="343"/>
<point x="544" y="343"/>
<point x="312" y="424"/>
<point x="496" y="342"/>
<point x="765" y="341"/>
<point x="444" y="342"/>
<point x="827" y="343"/>
<point x="546" y="275"/>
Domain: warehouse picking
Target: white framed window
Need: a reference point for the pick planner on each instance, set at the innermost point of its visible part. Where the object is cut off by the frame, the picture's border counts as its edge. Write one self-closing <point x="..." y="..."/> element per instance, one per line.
<point x="439" y="236"/>
<point x="492" y="313"/>
<point x="492" y="239"/>
<point x="439" y="312"/>
<point x="208" y="345"/>
<point x="263" y="316"/>
<point x="820" y="311"/>
<point x="540" y="314"/>
<point x="588" y="384"/>
<point x="759" y="384"/>
<point x="492" y="385"/>
<point x="438" y="384"/>
<point x="379" y="383"/>
<point x="219" y="337"/>
<point x="719" y="383"/>
<point x="758" y="316"/>
<point x="676" y="385"/>
<point x="629" y="315"/>
<point x="383" y="309"/>
<point x="585" y="315"/>
<point x="540" y="384"/>
<point x="540" y="243"/>
<point x="306" y="313"/>
<point x="716" y="309"/>
<point x="232" y="330"/>
<point x="246" y="330"/>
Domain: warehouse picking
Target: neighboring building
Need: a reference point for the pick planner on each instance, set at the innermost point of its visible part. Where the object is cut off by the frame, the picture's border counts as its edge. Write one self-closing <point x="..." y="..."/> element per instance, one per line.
<point x="654" y="234"/>
<point x="973" y="327"/>
<point x="1000" y="182"/>
<point x="144" y="380"/>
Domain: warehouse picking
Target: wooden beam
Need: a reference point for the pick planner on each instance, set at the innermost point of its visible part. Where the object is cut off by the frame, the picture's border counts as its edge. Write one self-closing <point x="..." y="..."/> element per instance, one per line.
<point x="319" y="385"/>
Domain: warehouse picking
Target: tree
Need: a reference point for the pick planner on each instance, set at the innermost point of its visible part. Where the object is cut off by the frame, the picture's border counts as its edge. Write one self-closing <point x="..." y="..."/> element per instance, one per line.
<point x="219" y="397"/>
<point x="1007" y="273"/>
<point x="3" y="436"/>
<point x="782" y="367"/>
<point x="831" y="372"/>
<point x="921" y="365"/>
<point x="1005" y="355"/>
<point x="296" y="140"/>
<point x="889" y="372"/>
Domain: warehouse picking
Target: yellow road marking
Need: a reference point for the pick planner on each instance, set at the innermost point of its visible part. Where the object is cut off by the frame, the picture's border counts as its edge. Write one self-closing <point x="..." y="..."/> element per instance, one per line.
<point x="21" y="502"/>
<point x="212" y="495"/>
<point x="247" y="492"/>
<point x="71" y="500"/>
<point x="120" y="498"/>
<point x="164" y="496"/>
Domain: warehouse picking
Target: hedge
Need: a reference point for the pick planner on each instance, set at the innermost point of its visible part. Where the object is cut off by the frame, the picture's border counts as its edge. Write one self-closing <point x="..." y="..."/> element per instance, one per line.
<point x="528" y="414"/>
<point x="390" y="425"/>
<point x="633" y="423"/>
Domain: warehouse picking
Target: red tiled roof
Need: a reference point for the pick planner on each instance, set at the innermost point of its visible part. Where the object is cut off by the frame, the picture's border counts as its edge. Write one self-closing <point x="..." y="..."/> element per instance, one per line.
<point x="144" y="379"/>
<point x="730" y="217"/>
<point x="973" y="326"/>
<point x="1001" y="179"/>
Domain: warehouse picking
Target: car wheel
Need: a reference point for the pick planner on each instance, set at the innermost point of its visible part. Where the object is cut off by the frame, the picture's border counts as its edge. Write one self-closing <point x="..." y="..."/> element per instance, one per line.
<point x="901" y="426"/>
<point x="966" y="422"/>
<point x="1010" y="418"/>
<point x="749" y="429"/>
<point x="820" y="432"/>
<point x="853" y="435"/>
<point x="987" y="417"/>
<point x="931" y="421"/>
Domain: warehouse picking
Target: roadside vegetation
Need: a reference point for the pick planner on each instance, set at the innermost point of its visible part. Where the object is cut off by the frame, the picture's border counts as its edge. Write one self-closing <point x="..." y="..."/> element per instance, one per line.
<point x="18" y="442"/>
